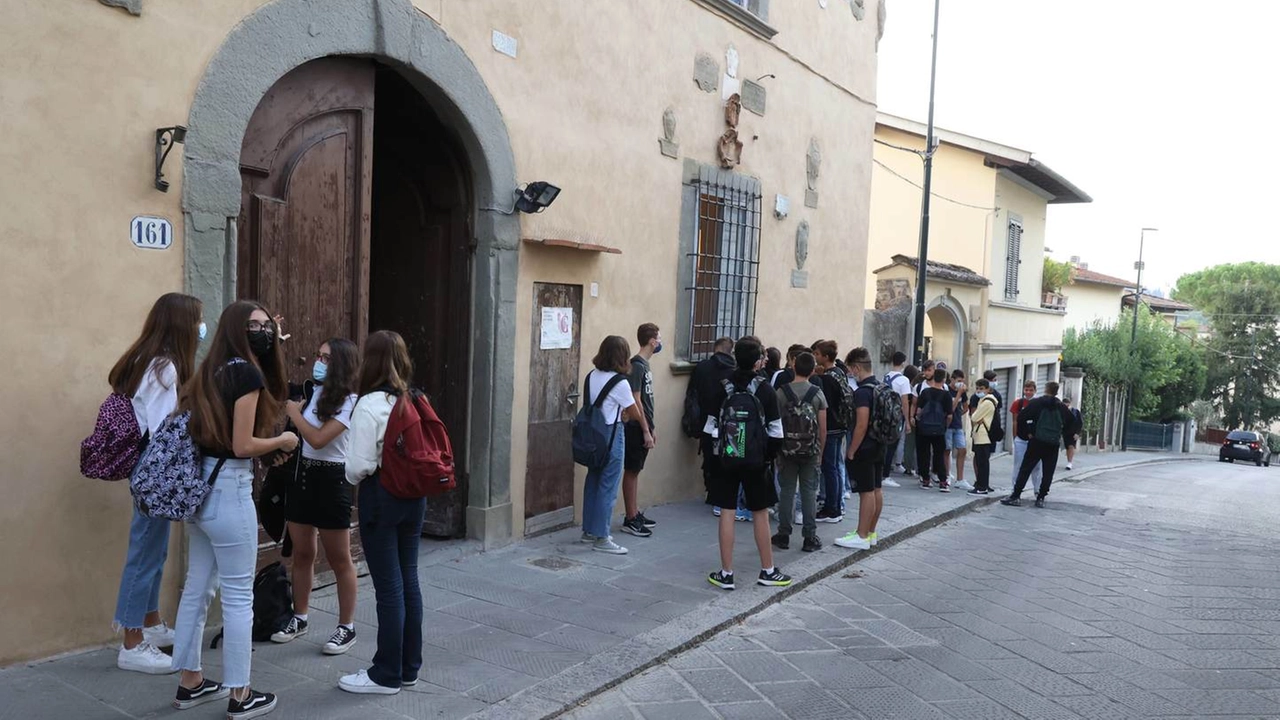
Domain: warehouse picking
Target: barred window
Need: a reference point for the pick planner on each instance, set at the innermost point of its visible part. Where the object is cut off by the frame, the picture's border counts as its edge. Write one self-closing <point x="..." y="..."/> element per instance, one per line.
<point x="723" y="261"/>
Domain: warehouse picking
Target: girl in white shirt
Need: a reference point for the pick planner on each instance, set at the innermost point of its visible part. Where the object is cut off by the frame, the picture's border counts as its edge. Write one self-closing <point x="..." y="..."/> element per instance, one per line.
<point x="390" y="527"/>
<point x="150" y="372"/>
<point x="319" y="499"/>
<point x="600" y="492"/>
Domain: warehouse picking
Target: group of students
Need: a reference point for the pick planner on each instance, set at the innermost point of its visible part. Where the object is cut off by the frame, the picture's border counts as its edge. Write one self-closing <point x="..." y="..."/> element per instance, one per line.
<point x="238" y="398"/>
<point x="825" y="422"/>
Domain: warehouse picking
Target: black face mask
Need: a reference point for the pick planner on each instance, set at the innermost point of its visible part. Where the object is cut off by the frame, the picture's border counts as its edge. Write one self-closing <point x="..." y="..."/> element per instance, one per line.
<point x="260" y="342"/>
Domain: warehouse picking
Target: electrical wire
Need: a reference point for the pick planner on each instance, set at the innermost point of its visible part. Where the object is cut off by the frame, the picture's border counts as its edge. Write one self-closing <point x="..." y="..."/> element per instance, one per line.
<point x="912" y="183"/>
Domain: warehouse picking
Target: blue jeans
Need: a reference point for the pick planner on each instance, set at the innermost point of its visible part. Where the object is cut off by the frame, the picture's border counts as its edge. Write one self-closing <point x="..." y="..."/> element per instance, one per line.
<point x="600" y="493"/>
<point x="832" y="480"/>
<point x="222" y="551"/>
<point x="390" y="531"/>
<point x="1019" y="452"/>
<point x="143" y="565"/>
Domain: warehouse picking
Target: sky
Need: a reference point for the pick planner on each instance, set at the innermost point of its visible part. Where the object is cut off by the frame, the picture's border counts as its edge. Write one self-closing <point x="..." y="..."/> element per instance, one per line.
<point x="1160" y="110"/>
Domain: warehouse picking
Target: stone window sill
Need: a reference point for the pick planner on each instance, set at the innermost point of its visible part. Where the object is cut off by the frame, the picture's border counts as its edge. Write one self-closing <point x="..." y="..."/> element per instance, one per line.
<point x="741" y="17"/>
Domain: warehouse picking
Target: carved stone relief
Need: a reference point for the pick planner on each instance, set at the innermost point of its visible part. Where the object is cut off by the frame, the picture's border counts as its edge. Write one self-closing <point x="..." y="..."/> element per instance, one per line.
<point x="812" y="170"/>
<point x="733" y="110"/>
<point x="753" y="96"/>
<point x="133" y="6"/>
<point x="729" y="147"/>
<point x="706" y="72"/>
<point x="859" y="9"/>
<point x="667" y="143"/>
<point x="802" y="244"/>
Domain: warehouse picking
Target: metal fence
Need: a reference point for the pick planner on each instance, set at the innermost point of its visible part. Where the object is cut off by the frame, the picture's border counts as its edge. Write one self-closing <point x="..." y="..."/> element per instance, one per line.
<point x="1149" y="436"/>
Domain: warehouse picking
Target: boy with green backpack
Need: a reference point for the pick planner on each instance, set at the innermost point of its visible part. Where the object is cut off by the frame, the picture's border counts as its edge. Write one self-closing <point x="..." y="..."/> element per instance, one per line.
<point x="1046" y="424"/>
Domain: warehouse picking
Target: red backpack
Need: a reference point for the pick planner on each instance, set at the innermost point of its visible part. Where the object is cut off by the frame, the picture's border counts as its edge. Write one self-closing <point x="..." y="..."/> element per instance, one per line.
<point x="417" y="457"/>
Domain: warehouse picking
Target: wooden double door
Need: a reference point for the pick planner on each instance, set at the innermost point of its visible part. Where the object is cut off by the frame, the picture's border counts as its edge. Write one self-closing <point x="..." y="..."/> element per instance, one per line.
<point x="355" y="217"/>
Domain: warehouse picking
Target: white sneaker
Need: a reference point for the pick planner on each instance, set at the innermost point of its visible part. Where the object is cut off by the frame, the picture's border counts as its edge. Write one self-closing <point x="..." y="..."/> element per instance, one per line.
<point x="160" y="636"/>
<point x="715" y="511"/>
<point x="873" y="539"/>
<point x="963" y="485"/>
<point x="145" y="658"/>
<point x="890" y="482"/>
<point x="853" y="542"/>
<point x="587" y="538"/>
<point x="362" y="684"/>
<point x="607" y="545"/>
<point x="1068" y="466"/>
<point x="900" y="469"/>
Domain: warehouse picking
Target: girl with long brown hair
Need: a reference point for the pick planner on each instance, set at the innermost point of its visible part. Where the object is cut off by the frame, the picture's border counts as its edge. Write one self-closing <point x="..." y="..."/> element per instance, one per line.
<point x="235" y="401"/>
<point x="150" y="373"/>
<point x="319" y="499"/>
<point x="390" y="527"/>
<point x="600" y="491"/>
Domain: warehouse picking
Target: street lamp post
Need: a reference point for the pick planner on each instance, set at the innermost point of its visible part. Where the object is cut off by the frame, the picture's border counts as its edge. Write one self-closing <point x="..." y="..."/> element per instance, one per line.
<point x="1133" y="336"/>
<point x="922" y="261"/>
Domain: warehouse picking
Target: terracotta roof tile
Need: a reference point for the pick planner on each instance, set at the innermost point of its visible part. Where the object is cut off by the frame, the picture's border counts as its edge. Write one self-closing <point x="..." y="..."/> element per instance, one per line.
<point x="941" y="271"/>
<point x="1097" y="278"/>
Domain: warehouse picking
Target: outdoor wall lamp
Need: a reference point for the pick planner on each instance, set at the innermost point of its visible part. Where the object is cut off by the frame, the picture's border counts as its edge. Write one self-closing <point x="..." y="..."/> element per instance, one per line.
<point x="536" y="197"/>
<point x="166" y="138"/>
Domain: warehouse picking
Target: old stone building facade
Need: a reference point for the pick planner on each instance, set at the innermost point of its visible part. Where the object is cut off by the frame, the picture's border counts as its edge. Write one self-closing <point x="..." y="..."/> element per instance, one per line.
<point x="354" y="164"/>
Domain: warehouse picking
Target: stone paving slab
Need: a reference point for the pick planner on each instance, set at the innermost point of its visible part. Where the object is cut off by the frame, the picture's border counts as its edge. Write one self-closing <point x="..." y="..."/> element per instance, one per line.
<point x="1119" y="662"/>
<point x="540" y="626"/>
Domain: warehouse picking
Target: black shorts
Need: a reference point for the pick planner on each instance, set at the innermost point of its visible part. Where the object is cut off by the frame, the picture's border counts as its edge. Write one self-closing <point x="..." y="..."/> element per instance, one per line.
<point x="636" y="453"/>
<point x="320" y="496"/>
<point x="757" y="486"/>
<point x="866" y="471"/>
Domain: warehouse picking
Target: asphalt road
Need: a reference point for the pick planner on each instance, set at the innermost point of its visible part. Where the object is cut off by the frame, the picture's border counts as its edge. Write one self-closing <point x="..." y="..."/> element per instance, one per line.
<point x="1148" y="592"/>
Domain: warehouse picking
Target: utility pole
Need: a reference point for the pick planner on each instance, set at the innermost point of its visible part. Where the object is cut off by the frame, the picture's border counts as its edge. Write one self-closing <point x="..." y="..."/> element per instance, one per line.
<point x="922" y="259"/>
<point x="1133" y="337"/>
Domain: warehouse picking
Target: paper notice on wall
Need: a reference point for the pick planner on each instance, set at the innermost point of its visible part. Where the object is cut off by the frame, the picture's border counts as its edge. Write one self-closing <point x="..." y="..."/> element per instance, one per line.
<point x="557" y="329"/>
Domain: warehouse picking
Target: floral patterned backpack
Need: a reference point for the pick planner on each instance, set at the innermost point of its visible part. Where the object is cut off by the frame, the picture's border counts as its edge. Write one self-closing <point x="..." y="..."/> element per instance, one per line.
<point x="168" y="481"/>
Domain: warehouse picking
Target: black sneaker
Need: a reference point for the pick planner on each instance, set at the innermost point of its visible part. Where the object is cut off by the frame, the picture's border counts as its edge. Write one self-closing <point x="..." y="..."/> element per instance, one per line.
<point x="1011" y="501"/>
<point x="812" y="544"/>
<point x="636" y="527"/>
<point x="207" y="692"/>
<point x="773" y="579"/>
<point x="782" y="542"/>
<point x="1039" y="502"/>
<point x="295" y="628"/>
<point x="979" y="491"/>
<point x="823" y="516"/>
<point x="647" y="522"/>
<point x="722" y="581"/>
<point x="342" y="640"/>
<point x="256" y="705"/>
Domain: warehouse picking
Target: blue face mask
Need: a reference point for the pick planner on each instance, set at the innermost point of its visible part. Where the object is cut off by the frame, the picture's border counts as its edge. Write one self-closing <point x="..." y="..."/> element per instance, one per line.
<point x="657" y="349"/>
<point x="980" y="394"/>
<point x="202" y="330"/>
<point x="319" y="371"/>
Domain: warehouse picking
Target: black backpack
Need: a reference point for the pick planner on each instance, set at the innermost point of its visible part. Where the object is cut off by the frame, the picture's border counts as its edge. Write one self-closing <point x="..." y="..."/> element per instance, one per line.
<point x="742" y="437"/>
<point x="692" y="420"/>
<point x="272" y="601"/>
<point x="932" y="421"/>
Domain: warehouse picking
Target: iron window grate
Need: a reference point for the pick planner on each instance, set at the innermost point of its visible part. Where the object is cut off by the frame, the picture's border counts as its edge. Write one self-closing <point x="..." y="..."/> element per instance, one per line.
<point x="725" y="261"/>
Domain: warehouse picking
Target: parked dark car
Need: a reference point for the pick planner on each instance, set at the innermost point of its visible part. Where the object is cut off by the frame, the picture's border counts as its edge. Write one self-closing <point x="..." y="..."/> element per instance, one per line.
<point x="1245" y="445"/>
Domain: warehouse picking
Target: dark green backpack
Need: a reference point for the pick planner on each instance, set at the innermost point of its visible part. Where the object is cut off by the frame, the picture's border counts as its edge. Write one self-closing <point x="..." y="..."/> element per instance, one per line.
<point x="1049" y="425"/>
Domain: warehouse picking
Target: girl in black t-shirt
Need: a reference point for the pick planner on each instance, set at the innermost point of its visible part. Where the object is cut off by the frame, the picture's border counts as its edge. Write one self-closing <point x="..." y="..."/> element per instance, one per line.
<point x="235" y="401"/>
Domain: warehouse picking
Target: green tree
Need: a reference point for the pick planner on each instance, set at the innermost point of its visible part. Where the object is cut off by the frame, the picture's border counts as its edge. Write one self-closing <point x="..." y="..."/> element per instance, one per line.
<point x="1241" y="303"/>
<point x="1056" y="275"/>
<point x="1165" y="371"/>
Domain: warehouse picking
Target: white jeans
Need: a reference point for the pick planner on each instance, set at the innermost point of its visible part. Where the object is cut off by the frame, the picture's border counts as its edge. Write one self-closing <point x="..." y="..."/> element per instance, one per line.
<point x="222" y="550"/>
<point x="1019" y="452"/>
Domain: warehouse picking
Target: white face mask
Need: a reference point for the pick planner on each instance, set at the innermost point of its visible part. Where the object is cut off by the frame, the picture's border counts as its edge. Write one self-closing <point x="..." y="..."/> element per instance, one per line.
<point x="202" y="330"/>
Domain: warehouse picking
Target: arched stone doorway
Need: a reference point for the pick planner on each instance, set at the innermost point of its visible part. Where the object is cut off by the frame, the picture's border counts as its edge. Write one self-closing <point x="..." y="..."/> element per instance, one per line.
<point x="945" y="323"/>
<point x="284" y="35"/>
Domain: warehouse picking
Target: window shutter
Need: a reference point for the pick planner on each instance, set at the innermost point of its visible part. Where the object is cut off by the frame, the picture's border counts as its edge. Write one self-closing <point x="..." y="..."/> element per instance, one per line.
<point x="1013" y="259"/>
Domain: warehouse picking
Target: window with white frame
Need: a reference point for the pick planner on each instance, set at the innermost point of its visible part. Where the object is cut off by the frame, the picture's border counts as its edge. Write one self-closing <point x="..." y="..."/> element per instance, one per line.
<point x="1013" y="258"/>
<point x="723" y="259"/>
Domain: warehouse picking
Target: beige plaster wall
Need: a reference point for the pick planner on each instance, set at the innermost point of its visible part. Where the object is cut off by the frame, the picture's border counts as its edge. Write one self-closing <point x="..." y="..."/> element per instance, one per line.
<point x="583" y="103"/>
<point x="1014" y="199"/>
<point x="957" y="233"/>
<point x="1088" y="303"/>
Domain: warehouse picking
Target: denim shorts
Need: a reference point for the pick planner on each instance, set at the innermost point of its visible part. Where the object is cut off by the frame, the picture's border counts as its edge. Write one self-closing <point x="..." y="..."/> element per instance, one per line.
<point x="955" y="439"/>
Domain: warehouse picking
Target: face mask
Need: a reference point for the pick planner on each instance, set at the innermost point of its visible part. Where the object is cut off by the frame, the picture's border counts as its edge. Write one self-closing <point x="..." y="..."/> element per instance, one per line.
<point x="980" y="394"/>
<point x="657" y="349"/>
<point x="202" y="330"/>
<point x="319" y="371"/>
<point x="260" y="342"/>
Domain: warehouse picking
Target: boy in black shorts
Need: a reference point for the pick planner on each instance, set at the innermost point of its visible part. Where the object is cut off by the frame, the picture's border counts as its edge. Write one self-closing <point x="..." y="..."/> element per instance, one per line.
<point x="641" y="435"/>
<point x="755" y="479"/>
<point x="865" y="457"/>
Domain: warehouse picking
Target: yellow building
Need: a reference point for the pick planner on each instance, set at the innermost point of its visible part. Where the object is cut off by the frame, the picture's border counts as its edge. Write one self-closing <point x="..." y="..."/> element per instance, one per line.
<point x="355" y="165"/>
<point x="985" y="309"/>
